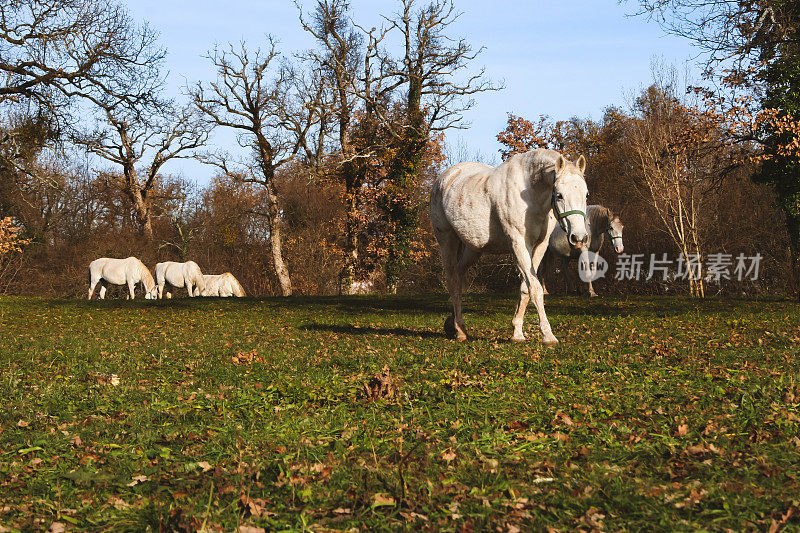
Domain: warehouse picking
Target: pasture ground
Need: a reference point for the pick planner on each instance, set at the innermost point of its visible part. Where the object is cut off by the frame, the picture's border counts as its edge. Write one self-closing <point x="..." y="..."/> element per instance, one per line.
<point x="334" y="413"/>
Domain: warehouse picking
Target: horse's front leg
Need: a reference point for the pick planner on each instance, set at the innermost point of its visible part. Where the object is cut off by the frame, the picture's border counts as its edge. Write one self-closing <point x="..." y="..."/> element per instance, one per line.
<point x="527" y="262"/>
<point x="132" y="289"/>
<point x="538" y="295"/>
<point x="189" y="288"/>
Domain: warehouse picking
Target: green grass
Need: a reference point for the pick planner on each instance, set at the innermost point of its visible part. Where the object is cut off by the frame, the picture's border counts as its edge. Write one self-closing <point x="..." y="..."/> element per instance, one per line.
<point x="653" y="413"/>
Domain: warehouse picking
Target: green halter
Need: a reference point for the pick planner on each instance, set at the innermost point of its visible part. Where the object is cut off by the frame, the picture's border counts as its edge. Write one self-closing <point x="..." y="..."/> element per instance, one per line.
<point x="559" y="215"/>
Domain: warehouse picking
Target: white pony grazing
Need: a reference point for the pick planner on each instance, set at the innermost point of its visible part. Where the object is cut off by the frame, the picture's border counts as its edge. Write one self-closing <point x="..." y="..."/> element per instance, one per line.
<point x="128" y="272"/>
<point x="180" y="275"/>
<point x="222" y="285"/>
<point x="476" y="208"/>
<point x="602" y="222"/>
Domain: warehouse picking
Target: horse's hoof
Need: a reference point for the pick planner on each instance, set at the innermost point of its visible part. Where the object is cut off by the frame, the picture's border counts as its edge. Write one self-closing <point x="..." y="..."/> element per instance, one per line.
<point x="461" y="337"/>
<point x="518" y="338"/>
<point x="551" y="342"/>
<point x="592" y="295"/>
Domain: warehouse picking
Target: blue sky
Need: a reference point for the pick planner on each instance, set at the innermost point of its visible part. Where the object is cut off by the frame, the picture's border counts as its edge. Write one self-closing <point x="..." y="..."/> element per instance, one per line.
<point x="562" y="58"/>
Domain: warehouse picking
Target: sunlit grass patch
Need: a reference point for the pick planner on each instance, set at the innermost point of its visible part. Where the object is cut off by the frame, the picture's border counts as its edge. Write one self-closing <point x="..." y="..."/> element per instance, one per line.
<point x="340" y="412"/>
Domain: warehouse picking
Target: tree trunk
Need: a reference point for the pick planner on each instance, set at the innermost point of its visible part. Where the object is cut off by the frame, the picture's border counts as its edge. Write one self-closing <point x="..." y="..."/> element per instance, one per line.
<point x="280" y="271"/>
<point x="348" y="275"/>
<point x="143" y="217"/>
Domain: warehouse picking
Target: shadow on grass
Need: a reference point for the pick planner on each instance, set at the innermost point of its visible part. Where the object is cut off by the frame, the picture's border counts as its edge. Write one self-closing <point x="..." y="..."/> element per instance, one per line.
<point x="437" y="304"/>
<point x="373" y="330"/>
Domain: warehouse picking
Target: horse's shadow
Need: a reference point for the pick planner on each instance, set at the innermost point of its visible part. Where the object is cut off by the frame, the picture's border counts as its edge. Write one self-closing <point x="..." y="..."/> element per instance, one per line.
<point x="372" y="330"/>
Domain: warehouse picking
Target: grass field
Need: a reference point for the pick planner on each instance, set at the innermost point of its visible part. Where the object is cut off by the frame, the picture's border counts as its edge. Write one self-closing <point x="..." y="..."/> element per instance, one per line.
<point x="333" y="414"/>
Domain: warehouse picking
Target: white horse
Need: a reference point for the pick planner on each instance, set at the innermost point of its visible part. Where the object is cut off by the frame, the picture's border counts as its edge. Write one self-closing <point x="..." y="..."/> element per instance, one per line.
<point x="128" y="272"/>
<point x="222" y="285"/>
<point x="179" y="275"/>
<point x="602" y="222"/>
<point x="476" y="208"/>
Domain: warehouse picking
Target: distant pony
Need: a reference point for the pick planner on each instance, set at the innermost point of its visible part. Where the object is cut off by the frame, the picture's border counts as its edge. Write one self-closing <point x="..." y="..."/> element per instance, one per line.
<point x="128" y="272"/>
<point x="601" y="222"/>
<point x="180" y="275"/>
<point x="222" y="285"/>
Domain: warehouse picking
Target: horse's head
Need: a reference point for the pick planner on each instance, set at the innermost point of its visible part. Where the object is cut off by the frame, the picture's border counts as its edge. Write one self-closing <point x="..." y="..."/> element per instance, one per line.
<point x="615" y="234"/>
<point x="151" y="294"/>
<point x="569" y="200"/>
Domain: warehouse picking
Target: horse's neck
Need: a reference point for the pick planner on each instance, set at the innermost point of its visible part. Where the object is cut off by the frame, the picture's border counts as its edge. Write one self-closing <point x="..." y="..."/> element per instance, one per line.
<point x="599" y="220"/>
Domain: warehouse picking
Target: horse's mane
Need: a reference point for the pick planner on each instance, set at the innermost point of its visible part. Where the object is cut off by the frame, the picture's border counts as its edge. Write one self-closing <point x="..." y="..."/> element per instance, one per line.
<point x="147" y="277"/>
<point x="597" y="212"/>
<point x="537" y="162"/>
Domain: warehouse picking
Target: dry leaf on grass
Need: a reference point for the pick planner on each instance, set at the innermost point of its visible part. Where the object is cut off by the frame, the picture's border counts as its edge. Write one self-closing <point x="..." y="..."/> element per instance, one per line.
<point x="380" y="499"/>
<point x="383" y="385"/>
<point x="137" y="480"/>
<point x="246" y="358"/>
<point x="251" y="529"/>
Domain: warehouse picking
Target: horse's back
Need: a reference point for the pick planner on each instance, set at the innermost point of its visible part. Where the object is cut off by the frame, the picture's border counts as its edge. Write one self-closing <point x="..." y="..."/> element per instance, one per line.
<point x="110" y="269"/>
<point x="460" y="201"/>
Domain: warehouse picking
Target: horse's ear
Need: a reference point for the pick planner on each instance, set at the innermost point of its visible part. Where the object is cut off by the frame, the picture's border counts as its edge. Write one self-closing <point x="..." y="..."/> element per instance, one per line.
<point x="560" y="164"/>
<point x="581" y="163"/>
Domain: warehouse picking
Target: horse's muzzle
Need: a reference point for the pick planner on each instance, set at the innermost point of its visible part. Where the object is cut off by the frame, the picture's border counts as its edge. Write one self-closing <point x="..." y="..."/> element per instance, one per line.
<point x="578" y="240"/>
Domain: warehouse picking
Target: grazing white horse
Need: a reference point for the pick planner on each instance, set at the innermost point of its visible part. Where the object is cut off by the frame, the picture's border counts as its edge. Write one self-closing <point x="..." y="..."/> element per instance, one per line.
<point x="222" y="285"/>
<point x="180" y="275"/>
<point x="476" y="208"/>
<point x="602" y="222"/>
<point x="128" y="272"/>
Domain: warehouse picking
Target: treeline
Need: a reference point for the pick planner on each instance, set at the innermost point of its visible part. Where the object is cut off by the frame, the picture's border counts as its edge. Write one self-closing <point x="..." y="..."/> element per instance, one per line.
<point x="339" y="146"/>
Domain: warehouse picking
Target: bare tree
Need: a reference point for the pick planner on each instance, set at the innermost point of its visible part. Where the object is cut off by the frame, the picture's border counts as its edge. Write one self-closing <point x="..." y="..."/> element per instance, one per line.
<point x="402" y="100"/>
<point x="681" y="158"/>
<point x="141" y="140"/>
<point x="59" y="56"/>
<point x="256" y="95"/>
<point x="732" y="33"/>
<point x="61" y="48"/>
<point x="345" y="63"/>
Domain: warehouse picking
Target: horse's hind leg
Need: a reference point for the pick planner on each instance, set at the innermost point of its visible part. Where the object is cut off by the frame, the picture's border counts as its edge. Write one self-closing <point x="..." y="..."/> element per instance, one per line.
<point x="92" y="285"/>
<point x="542" y="269"/>
<point x="593" y="271"/>
<point x="451" y="249"/>
<point x="567" y="278"/>
<point x="466" y="259"/>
